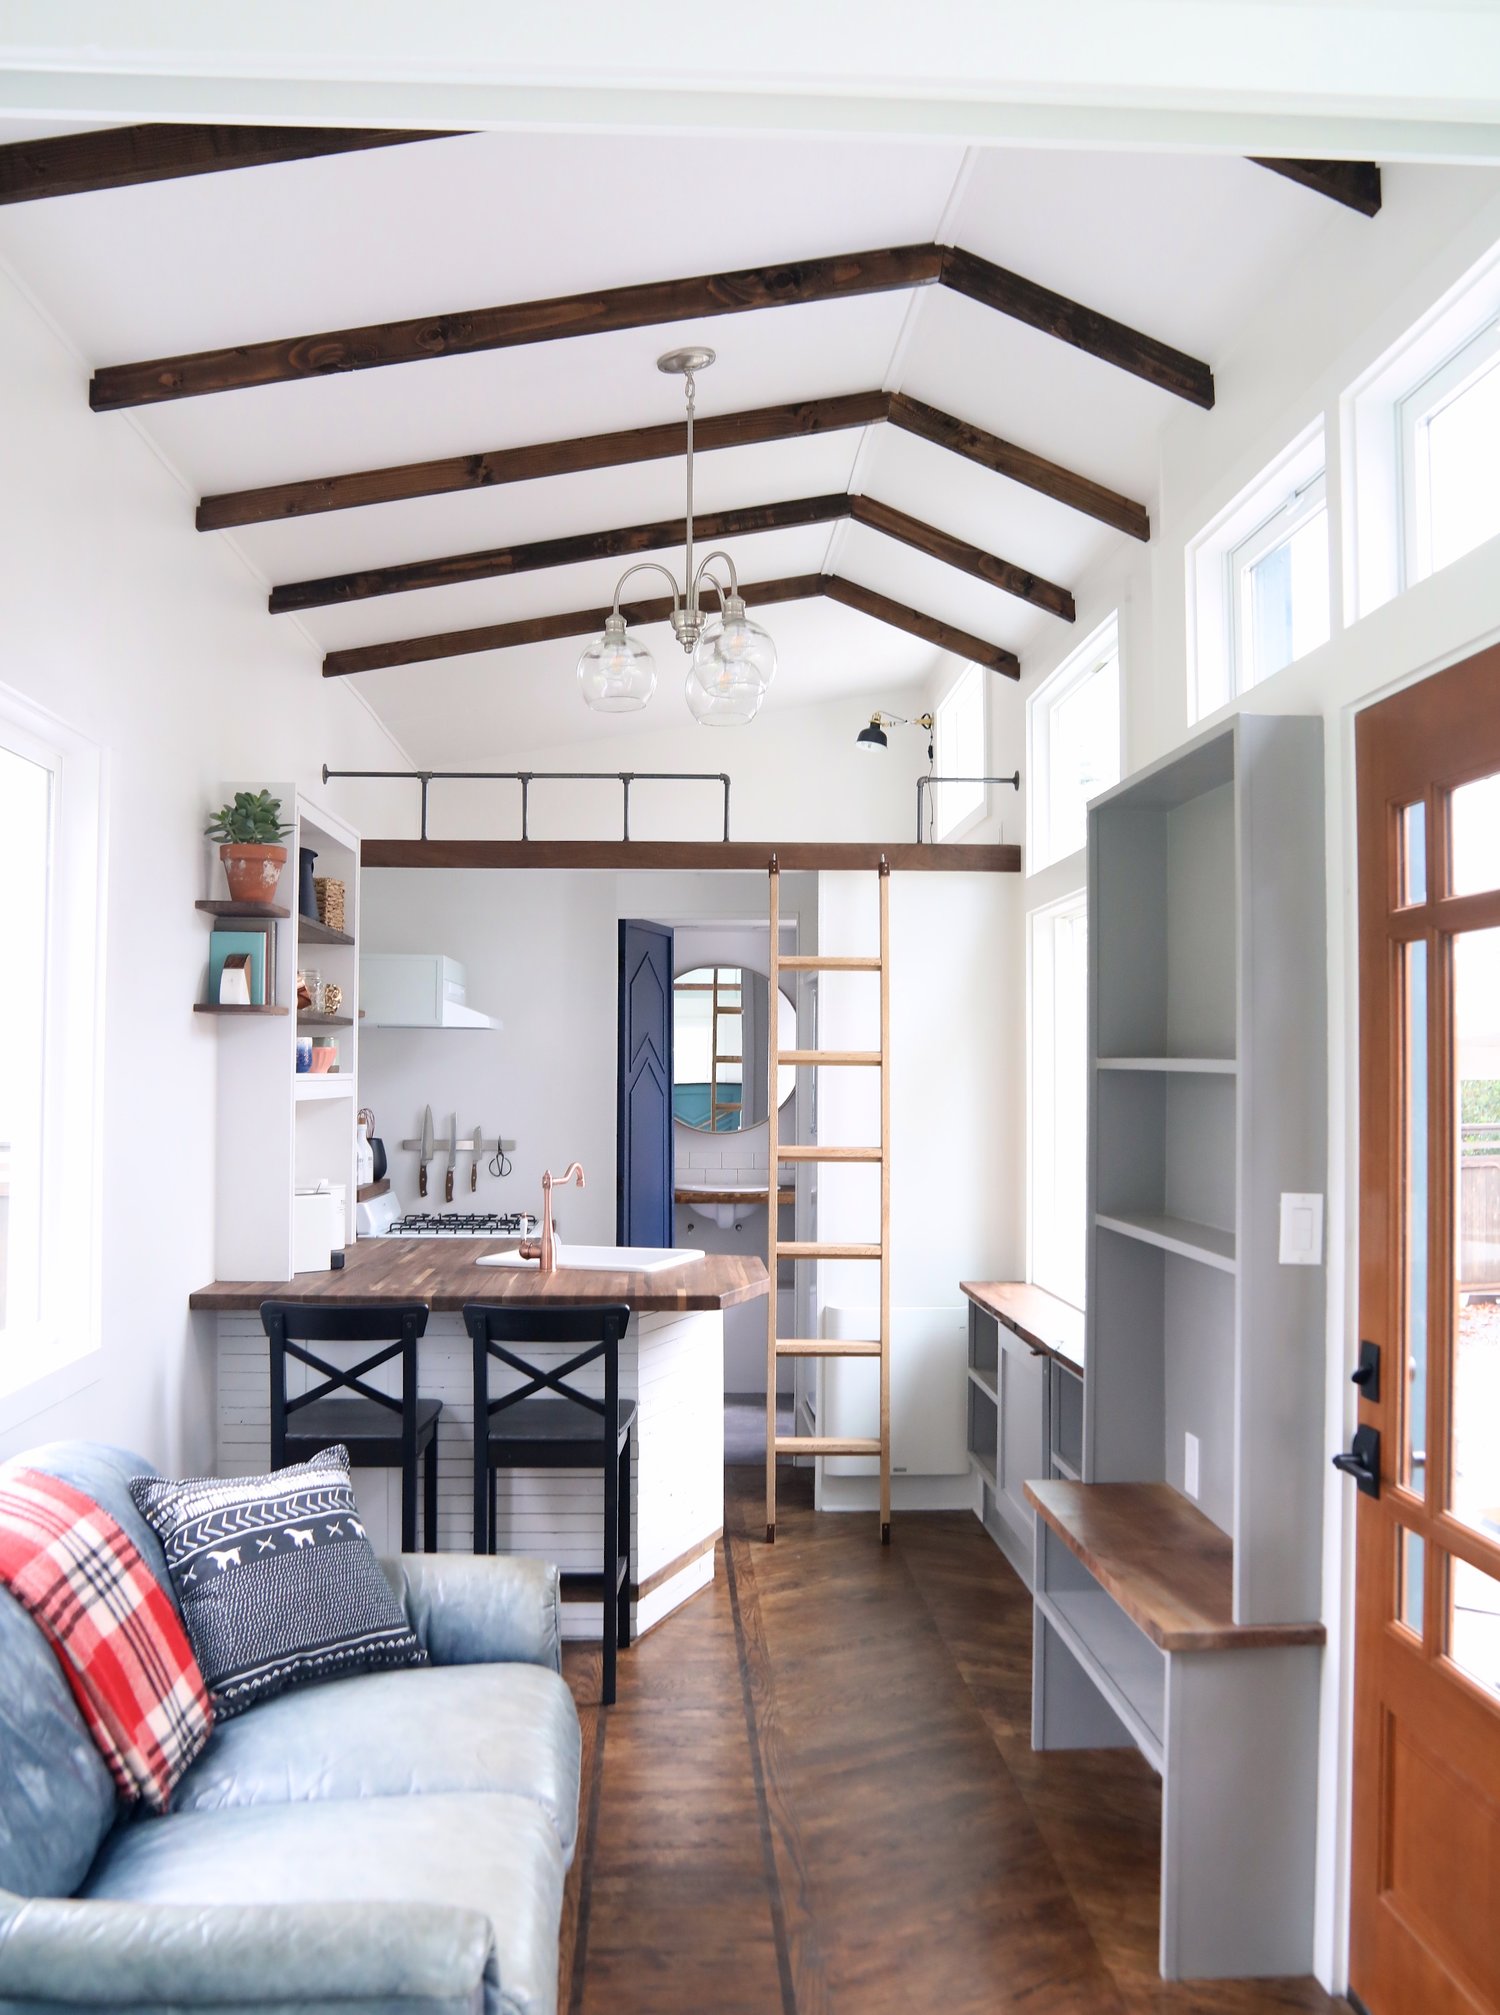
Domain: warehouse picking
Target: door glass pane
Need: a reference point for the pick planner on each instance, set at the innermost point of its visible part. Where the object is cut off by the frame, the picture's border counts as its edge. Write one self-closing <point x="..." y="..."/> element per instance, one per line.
<point x="1414" y="1156"/>
<point x="1474" y="821"/>
<point x="1411" y="1554"/>
<point x="1474" y="1623"/>
<point x="1414" y="853"/>
<point x="1475" y="1494"/>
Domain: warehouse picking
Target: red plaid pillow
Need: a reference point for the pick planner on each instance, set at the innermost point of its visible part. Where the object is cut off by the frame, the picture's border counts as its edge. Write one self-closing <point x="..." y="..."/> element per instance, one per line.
<point x="113" y="1628"/>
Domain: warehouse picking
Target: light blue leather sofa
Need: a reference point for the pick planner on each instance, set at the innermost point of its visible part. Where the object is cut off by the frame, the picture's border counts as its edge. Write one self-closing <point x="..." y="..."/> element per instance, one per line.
<point x="390" y="1844"/>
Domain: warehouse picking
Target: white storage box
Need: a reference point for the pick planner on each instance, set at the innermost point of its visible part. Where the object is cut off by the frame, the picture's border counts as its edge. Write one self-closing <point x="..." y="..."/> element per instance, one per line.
<point x="317" y="1227"/>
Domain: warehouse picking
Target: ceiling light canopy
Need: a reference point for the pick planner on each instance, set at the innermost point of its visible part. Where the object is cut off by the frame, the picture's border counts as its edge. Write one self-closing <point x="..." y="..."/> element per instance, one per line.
<point x="733" y="660"/>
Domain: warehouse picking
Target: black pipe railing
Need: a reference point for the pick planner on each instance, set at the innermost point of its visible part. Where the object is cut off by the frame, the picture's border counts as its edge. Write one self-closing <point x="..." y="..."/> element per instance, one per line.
<point x="926" y="783"/>
<point x="526" y="778"/>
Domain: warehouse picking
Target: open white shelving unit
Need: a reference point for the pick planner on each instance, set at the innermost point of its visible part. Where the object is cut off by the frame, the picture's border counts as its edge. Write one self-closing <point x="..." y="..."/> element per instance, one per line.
<point x="278" y="1130"/>
<point x="1207" y="1100"/>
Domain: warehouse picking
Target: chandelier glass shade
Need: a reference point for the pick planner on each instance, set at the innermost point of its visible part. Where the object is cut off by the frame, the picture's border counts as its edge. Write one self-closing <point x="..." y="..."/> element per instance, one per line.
<point x="733" y="660"/>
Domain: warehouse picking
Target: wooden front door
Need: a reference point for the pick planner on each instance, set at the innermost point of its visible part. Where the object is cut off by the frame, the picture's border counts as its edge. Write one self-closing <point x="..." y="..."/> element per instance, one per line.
<point x="1426" y="1847"/>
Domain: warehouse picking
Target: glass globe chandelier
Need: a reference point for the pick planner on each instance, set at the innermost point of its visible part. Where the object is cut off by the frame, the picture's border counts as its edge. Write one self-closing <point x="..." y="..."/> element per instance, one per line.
<point x="733" y="660"/>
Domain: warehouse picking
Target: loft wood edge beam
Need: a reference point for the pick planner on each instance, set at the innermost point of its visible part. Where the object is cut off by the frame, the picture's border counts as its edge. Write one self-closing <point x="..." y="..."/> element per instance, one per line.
<point x="542" y="629"/>
<point x="930" y="629"/>
<point x="1355" y="184"/>
<point x="1004" y="458"/>
<point x="502" y="561"/>
<point x="289" y="359"/>
<point x="754" y="856"/>
<point x="1085" y="328"/>
<point x="124" y="157"/>
<point x="798" y="418"/>
<point x="955" y="552"/>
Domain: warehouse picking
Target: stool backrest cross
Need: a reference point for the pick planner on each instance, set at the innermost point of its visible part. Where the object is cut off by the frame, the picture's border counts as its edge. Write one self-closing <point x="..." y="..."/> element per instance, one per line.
<point x="495" y="1330"/>
<point x="291" y="1325"/>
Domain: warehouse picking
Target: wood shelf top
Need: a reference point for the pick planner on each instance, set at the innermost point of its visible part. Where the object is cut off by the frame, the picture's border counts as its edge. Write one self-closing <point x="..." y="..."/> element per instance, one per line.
<point x="1048" y="1324"/>
<point x="785" y="1195"/>
<point x="234" y="1007"/>
<point x="441" y="1271"/>
<point x="1166" y="1565"/>
<point x="311" y="932"/>
<point x="316" y="1021"/>
<point x="262" y="912"/>
<point x="367" y="1191"/>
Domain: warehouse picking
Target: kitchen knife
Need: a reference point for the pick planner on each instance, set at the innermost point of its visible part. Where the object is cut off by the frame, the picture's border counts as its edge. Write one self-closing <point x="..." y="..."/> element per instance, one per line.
<point x="452" y="1157"/>
<point x="425" y="1151"/>
<point x="478" y="1139"/>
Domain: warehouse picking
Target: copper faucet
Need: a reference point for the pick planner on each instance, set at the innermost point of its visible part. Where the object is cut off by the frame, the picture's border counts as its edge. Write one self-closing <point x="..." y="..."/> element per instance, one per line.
<point x="544" y="1249"/>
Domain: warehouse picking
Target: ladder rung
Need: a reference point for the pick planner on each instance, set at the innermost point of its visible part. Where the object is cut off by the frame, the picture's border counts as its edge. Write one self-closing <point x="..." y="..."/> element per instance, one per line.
<point x="822" y="1444"/>
<point x="812" y="1248"/>
<point x="816" y="1153"/>
<point x="809" y="963"/>
<point x="825" y="1346"/>
<point x="822" y="1056"/>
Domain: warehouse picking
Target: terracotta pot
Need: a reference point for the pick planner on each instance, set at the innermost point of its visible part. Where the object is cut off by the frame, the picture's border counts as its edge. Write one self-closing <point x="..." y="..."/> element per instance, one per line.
<point x="252" y="872"/>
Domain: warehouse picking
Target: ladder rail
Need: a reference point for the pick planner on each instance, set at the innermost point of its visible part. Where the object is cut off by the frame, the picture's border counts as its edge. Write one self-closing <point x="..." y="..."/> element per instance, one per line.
<point x="777" y="1248"/>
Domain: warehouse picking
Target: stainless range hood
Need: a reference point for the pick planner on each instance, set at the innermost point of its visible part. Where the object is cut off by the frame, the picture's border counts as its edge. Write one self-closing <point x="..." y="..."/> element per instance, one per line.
<point x="416" y="990"/>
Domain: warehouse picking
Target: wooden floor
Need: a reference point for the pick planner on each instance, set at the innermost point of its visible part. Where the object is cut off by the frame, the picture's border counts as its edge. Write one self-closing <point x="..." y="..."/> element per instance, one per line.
<point x="816" y="1795"/>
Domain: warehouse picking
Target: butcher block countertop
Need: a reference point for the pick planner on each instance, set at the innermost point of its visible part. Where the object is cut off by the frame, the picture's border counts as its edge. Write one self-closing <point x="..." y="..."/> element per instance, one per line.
<point x="441" y="1271"/>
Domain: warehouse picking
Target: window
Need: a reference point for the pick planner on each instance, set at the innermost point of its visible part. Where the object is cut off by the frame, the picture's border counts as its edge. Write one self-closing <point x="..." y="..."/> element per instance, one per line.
<point x="1449" y="445"/>
<point x="1059" y="1096"/>
<point x="1259" y="579"/>
<point x="962" y="751"/>
<point x="1278" y="586"/>
<point x="1073" y="745"/>
<point x="49" y="1020"/>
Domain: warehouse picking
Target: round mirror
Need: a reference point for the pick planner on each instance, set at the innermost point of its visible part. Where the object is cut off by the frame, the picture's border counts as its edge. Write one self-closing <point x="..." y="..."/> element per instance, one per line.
<point x="721" y="1016"/>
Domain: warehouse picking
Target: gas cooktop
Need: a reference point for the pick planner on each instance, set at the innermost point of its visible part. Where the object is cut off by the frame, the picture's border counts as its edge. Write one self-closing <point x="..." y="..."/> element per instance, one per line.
<point x="461" y="1224"/>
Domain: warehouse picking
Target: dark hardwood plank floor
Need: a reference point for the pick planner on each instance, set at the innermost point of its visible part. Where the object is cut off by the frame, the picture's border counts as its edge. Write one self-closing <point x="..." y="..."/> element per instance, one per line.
<point x="816" y="1795"/>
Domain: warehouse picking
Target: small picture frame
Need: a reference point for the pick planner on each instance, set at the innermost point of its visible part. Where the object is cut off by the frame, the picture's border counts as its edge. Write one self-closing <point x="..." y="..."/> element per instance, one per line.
<point x="234" y="981"/>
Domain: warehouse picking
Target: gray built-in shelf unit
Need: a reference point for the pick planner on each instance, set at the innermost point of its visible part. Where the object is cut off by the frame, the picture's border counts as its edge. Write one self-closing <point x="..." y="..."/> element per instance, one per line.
<point x="1207" y="1101"/>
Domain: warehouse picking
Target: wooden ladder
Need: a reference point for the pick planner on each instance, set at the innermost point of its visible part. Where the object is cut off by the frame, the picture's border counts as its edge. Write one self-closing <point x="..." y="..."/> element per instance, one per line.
<point x="778" y="1248"/>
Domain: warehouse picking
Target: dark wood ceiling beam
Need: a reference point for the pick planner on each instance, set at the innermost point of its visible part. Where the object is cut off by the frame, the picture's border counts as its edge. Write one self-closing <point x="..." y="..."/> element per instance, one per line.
<point x="1050" y="479"/>
<point x="500" y="562"/>
<point x="1002" y="574"/>
<point x="1070" y="322"/>
<point x="798" y="419"/>
<point x="287" y="360"/>
<point x="580" y="622"/>
<point x="946" y="636"/>
<point x="123" y="157"/>
<point x="1355" y="184"/>
<point x="543" y="629"/>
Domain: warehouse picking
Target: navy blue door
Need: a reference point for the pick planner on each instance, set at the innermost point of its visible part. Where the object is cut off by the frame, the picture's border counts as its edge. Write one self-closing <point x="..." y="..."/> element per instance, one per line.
<point x="643" y="1129"/>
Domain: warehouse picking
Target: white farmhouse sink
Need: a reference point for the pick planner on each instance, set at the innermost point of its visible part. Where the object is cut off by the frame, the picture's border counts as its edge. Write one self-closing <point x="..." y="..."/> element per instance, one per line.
<point x="604" y="1258"/>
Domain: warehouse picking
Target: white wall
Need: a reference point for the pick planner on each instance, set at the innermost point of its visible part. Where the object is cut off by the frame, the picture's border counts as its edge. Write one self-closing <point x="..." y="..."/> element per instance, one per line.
<point x="1330" y="320"/>
<point x="134" y="631"/>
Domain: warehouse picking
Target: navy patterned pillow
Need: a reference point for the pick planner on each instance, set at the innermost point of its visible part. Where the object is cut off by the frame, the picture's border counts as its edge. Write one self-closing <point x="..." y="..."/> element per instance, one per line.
<point x="278" y="1584"/>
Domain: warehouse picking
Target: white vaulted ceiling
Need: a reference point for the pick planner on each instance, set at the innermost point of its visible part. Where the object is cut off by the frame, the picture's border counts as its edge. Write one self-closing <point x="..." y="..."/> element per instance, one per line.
<point x="1181" y="248"/>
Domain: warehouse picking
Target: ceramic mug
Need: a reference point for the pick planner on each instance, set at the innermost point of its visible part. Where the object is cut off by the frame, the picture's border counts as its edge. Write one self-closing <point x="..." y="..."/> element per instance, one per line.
<point x="304" y="1052"/>
<point x="324" y="1056"/>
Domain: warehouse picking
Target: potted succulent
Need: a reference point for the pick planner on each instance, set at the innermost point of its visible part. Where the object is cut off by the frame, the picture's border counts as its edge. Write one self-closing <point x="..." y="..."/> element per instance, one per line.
<point x="250" y="830"/>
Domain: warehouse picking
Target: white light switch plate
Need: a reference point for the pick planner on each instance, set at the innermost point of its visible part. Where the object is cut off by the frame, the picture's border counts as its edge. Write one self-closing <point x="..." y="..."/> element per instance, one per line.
<point x="1190" y="1464"/>
<point x="1301" y="1229"/>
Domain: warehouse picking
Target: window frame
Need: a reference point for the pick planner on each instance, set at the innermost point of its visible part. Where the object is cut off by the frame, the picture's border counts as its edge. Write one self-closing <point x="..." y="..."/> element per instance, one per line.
<point x="58" y="1353"/>
<point x="1042" y="1130"/>
<point x="1439" y="388"/>
<point x="964" y="822"/>
<point x="1081" y="664"/>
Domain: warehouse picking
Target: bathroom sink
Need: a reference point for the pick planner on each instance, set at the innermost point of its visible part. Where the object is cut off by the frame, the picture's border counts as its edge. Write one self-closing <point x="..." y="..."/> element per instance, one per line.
<point x="603" y="1258"/>
<point x="723" y="1204"/>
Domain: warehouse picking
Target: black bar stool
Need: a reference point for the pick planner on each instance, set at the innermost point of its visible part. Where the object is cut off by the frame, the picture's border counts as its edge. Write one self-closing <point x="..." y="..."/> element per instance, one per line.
<point x="571" y="1431"/>
<point x="363" y="1424"/>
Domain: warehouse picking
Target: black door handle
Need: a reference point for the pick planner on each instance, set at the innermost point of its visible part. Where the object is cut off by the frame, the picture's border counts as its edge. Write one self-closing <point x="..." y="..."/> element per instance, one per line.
<point x="1363" y="1460"/>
